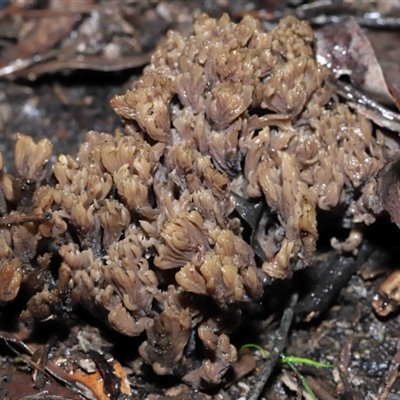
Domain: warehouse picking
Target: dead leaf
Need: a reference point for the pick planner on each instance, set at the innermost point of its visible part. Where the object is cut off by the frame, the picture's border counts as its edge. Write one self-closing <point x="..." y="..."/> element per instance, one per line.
<point x="346" y="50"/>
<point x="387" y="189"/>
<point x="291" y="383"/>
<point x="19" y="384"/>
<point x="387" y="49"/>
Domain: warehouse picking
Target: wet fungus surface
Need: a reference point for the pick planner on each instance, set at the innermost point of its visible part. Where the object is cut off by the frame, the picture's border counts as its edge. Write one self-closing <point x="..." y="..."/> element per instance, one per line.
<point x="149" y="222"/>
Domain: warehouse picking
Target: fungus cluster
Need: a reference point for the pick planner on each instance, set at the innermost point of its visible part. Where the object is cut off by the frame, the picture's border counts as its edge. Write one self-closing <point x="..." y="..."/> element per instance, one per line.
<point x="147" y="222"/>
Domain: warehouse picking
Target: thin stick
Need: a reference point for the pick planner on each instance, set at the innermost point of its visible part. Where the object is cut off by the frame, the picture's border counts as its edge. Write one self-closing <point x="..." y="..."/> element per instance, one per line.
<point x="19" y="219"/>
<point x="279" y="345"/>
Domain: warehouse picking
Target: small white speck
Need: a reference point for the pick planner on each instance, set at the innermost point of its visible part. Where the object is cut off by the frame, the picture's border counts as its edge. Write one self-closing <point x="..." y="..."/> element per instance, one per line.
<point x="244" y="386"/>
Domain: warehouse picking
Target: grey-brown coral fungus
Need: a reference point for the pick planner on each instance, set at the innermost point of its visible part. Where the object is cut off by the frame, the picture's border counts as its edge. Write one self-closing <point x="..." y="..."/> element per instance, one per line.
<point x="255" y="104"/>
<point x="148" y="222"/>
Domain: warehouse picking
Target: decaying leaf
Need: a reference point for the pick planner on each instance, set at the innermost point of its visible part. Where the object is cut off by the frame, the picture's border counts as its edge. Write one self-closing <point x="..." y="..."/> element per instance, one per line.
<point x="386" y="45"/>
<point x="386" y="197"/>
<point x="346" y="50"/>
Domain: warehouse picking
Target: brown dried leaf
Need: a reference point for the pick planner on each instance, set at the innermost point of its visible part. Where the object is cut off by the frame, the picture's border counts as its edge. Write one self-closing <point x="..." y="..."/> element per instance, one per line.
<point x="19" y="386"/>
<point x="387" y="49"/>
<point x="39" y="38"/>
<point x="346" y="50"/>
<point x="386" y="196"/>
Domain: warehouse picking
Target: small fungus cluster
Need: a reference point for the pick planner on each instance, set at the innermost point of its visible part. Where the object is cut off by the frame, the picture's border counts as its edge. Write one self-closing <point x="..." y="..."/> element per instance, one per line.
<point x="147" y="222"/>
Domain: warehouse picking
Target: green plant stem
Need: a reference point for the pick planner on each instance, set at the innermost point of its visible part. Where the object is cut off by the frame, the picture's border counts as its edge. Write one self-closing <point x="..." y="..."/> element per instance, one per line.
<point x="303" y="381"/>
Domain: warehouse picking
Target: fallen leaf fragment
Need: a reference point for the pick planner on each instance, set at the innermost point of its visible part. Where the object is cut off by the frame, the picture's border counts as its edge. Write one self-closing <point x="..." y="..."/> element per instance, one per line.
<point x="386" y="196"/>
<point x="346" y="50"/>
<point x="95" y="382"/>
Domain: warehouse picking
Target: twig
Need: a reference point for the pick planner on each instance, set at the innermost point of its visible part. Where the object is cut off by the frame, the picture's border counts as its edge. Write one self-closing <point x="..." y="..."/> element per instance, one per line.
<point x="51" y="369"/>
<point x="385" y="392"/>
<point x="111" y="383"/>
<point x="336" y="274"/>
<point x="348" y="393"/>
<point x="368" y="107"/>
<point x="19" y="219"/>
<point x="279" y="345"/>
<point x="345" y="356"/>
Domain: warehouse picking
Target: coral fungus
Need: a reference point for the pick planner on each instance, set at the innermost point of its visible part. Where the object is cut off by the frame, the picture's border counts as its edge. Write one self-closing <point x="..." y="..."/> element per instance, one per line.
<point x="148" y="222"/>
